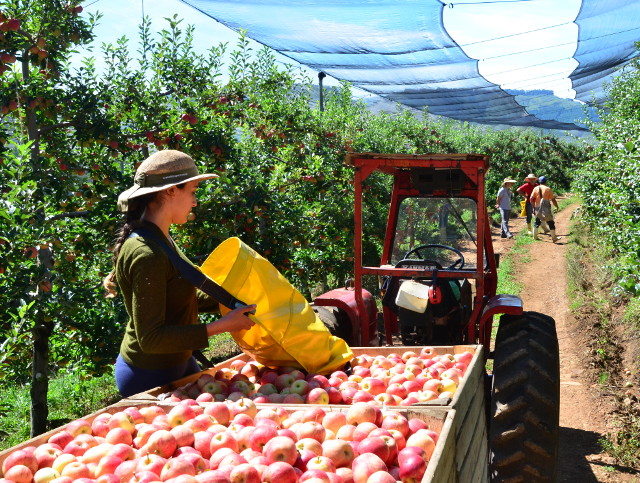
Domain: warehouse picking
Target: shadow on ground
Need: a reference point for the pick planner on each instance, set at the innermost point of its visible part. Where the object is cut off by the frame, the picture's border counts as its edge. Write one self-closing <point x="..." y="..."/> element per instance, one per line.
<point x="575" y="445"/>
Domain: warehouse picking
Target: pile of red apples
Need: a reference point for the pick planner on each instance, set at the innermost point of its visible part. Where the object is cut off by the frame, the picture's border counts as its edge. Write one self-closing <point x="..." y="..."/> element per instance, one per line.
<point x="231" y="442"/>
<point x="389" y="380"/>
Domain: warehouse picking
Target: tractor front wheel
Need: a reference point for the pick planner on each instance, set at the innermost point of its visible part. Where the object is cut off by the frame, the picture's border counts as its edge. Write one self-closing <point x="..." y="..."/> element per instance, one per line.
<point x="525" y="400"/>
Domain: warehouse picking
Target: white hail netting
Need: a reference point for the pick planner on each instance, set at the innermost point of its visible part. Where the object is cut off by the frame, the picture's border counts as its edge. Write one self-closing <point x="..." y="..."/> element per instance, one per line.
<point x="401" y="51"/>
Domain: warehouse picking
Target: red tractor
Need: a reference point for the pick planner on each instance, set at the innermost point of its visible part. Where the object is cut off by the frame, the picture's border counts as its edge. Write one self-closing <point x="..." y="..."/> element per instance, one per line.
<point x="437" y="279"/>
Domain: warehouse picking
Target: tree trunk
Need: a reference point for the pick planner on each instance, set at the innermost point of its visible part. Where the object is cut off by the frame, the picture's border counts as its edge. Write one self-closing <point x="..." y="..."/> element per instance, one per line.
<point x="40" y="377"/>
<point x="41" y="328"/>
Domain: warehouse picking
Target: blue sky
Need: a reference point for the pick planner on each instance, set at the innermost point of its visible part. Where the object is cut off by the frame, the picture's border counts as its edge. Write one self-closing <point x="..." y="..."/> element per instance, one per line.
<point x="122" y="17"/>
<point x="506" y="55"/>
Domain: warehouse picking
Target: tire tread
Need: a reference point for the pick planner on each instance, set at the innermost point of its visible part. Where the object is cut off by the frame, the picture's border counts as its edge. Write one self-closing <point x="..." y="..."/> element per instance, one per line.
<point x="525" y="401"/>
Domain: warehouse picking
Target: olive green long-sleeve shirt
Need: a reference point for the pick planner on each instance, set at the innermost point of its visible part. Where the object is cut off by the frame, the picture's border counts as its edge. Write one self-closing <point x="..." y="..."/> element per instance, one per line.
<point x="162" y="330"/>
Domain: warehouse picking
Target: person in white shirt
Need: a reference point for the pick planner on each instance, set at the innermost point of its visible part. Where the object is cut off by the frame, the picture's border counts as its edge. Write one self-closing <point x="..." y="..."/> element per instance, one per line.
<point x="503" y="203"/>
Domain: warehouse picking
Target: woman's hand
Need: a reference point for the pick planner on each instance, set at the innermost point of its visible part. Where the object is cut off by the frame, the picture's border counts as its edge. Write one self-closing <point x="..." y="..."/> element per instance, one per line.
<point x="234" y="321"/>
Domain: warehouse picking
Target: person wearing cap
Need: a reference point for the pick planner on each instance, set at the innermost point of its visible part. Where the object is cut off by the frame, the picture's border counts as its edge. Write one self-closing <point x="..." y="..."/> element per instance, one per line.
<point x="542" y="198"/>
<point x="163" y="330"/>
<point x="503" y="203"/>
<point x="525" y="190"/>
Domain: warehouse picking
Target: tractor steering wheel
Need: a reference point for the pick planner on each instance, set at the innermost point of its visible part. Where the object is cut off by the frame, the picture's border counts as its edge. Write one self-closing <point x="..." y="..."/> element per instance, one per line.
<point x="458" y="264"/>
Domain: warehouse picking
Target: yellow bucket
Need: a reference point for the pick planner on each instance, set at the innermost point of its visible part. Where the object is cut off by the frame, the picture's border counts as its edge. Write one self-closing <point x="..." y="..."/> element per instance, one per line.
<point x="287" y="331"/>
<point x="523" y="208"/>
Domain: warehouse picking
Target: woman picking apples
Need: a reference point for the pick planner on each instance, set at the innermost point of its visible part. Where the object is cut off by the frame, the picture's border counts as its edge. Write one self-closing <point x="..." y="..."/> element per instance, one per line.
<point x="162" y="331"/>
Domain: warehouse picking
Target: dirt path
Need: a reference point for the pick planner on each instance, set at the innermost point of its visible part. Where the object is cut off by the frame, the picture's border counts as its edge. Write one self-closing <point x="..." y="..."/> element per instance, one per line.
<point x="583" y="412"/>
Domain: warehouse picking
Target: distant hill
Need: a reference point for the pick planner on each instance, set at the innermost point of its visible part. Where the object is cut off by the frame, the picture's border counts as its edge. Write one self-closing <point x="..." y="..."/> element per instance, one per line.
<point x="540" y="103"/>
<point x="545" y="105"/>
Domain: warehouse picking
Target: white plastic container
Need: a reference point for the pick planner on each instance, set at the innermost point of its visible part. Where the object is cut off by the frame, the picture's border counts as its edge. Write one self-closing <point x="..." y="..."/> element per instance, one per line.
<point x="413" y="296"/>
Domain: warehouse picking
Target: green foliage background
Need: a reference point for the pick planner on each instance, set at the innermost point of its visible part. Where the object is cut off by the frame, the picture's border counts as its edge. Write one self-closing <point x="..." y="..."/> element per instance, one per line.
<point x="71" y="138"/>
<point x="610" y="180"/>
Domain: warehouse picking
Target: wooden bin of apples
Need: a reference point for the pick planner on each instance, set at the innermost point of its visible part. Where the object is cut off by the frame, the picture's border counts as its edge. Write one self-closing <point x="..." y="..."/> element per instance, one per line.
<point x="240" y="441"/>
<point x="385" y="375"/>
<point x="409" y="377"/>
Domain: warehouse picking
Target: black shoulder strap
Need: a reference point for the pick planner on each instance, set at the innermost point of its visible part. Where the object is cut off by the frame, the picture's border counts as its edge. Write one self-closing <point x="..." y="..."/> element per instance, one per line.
<point x="191" y="273"/>
<point x="202" y="359"/>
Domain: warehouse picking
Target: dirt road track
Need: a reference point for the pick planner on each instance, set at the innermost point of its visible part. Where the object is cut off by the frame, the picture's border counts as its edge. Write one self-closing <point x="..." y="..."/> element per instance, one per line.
<point x="585" y="416"/>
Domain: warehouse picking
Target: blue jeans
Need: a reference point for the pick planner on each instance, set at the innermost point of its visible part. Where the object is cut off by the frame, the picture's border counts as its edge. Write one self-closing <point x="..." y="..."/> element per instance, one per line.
<point x="529" y="210"/>
<point x="504" y="221"/>
<point x="133" y="380"/>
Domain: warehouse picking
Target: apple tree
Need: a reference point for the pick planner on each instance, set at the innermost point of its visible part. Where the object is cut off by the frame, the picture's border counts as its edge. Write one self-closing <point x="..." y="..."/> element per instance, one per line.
<point x="610" y="181"/>
<point x="38" y="109"/>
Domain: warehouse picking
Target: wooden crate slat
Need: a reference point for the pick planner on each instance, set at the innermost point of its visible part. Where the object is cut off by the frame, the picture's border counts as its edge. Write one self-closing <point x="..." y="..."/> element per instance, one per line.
<point x="469" y="425"/>
<point x="471" y="434"/>
<point x="441" y="467"/>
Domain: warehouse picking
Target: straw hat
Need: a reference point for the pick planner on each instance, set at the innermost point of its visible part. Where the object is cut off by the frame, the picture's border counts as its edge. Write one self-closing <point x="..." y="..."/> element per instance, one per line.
<point x="160" y="171"/>
<point x="531" y="176"/>
<point x="509" y="180"/>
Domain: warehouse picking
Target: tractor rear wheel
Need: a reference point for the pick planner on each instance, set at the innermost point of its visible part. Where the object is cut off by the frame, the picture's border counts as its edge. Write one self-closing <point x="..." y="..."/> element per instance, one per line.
<point x="525" y="400"/>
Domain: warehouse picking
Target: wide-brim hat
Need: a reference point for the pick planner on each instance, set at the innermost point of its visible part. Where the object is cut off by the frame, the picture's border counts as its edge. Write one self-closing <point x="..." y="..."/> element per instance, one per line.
<point x="531" y="176"/>
<point x="509" y="180"/>
<point x="160" y="171"/>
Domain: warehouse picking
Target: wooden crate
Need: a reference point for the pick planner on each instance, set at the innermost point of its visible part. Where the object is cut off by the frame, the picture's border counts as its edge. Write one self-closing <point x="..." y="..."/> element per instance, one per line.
<point x="442" y="468"/>
<point x="467" y="454"/>
<point x="440" y="419"/>
<point x="466" y="451"/>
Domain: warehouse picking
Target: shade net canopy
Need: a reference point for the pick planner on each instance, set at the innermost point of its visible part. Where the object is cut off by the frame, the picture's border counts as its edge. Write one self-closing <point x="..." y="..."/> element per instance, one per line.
<point x="401" y="51"/>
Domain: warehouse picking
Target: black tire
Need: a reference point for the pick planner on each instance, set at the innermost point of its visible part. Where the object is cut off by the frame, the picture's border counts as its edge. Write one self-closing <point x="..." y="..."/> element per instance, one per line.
<point x="525" y="400"/>
<point x="337" y="321"/>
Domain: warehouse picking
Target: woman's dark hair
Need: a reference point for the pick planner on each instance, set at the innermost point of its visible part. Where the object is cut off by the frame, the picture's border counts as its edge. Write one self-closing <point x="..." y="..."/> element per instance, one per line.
<point x="132" y="221"/>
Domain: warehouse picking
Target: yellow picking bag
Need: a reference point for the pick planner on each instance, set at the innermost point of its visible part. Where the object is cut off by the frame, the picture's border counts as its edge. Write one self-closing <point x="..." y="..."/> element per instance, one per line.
<point x="287" y="331"/>
<point x="523" y="208"/>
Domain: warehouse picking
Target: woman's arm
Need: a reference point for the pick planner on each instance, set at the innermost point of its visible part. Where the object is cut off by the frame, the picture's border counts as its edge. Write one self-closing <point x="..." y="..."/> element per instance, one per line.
<point x="234" y="321"/>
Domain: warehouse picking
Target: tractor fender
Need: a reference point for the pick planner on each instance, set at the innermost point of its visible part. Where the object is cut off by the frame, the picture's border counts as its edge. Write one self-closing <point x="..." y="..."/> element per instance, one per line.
<point x="345" y="300"/>
<point x="498" y="304"/>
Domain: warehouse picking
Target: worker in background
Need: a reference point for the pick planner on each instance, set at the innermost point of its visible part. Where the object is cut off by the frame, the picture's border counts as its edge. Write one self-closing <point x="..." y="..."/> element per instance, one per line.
<point x="443" y="219"/>
<point x="525" y="191"/>
<point x="503" y="203"/>
<point x="542" y="198"/>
